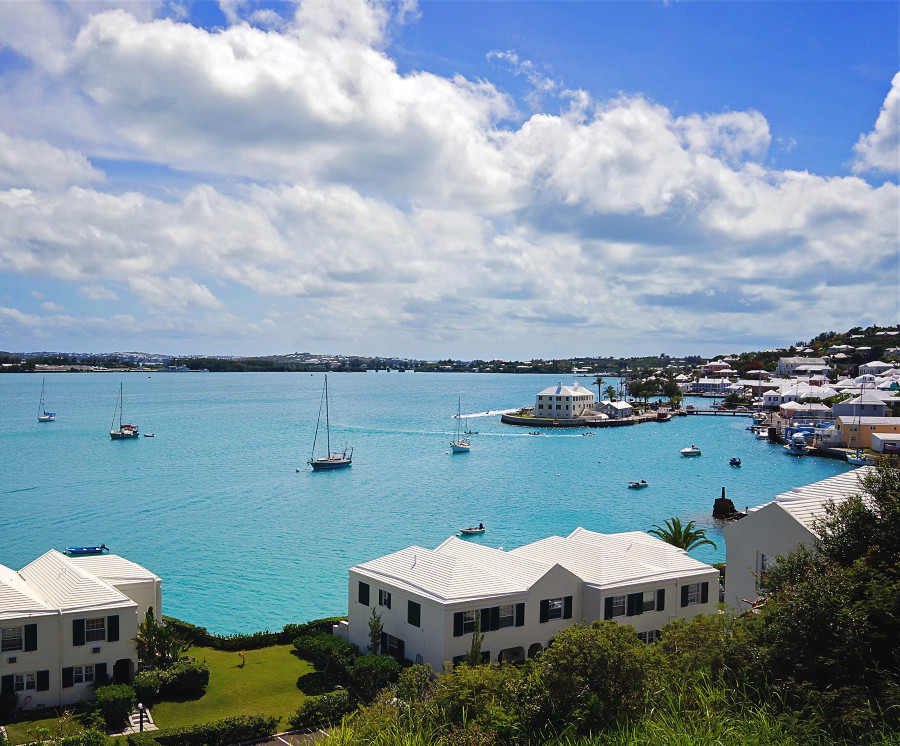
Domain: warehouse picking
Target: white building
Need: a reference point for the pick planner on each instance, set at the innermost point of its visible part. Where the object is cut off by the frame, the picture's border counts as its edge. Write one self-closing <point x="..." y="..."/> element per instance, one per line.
<point x="875" y="368"/>
<point x="66" y="623"/>
<point x="429" y="601"/>
<point x="564" y="402"/>
<point x="777" y="528"/>
<point x="867" y="404"/>
<point x="615" y="410"/>
<point x="788" y="365"/>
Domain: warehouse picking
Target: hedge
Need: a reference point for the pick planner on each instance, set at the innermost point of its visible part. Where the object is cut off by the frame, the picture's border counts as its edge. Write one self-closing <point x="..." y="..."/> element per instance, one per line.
<point x="325" y="710"/>
<point x="185" y="677"/>
<point x="202" y="637"/>
<point x="219" y="733"/>
<point x="114" y="702"/>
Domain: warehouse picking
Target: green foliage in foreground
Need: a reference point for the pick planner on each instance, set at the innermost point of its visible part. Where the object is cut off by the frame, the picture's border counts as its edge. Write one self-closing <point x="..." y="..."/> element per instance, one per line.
<point x="220" y="733"/>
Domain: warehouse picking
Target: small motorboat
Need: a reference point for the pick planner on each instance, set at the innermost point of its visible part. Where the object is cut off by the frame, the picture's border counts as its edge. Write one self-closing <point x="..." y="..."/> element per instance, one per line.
<point x="149" y="435"/>
<point x="637" y="485"/>
<point x="692" y="450"/>
<point x="470" y="432"/>
<point x="536" y="432"/>
<point x="860" y="459"/>
<point x="734" y="461"/>
<point x="472" y="530"/>
<point x="81" y="551"/>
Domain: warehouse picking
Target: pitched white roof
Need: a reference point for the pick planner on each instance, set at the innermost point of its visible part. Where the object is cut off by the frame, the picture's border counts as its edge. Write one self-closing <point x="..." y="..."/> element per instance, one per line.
<point x="65" y="586"/>
<point x="17" y="599"/>
<point x="113" y="569"/>
<point x="807" y="504"/>
<point x="438" y="575"/>
<point x="614" y="559"/>
<point x="560" y="390"/>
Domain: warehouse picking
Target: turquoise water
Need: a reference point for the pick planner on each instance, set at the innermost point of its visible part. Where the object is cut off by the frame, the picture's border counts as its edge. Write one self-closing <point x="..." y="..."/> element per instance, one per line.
<point x="215" y="506"/>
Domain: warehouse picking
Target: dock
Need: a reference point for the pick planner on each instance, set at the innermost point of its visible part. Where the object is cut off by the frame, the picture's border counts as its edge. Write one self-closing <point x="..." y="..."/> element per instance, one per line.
<point x="717" y="412"/>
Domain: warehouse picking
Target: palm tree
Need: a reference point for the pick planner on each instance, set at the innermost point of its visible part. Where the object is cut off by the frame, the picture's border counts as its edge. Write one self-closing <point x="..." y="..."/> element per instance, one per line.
<point x="682" y="536"/>
<point x="610" y="392"/>
<point x="598" y="381"/>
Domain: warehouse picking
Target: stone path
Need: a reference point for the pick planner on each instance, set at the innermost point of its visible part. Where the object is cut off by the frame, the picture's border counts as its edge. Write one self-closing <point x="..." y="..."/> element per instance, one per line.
<point x="134" y="723"/>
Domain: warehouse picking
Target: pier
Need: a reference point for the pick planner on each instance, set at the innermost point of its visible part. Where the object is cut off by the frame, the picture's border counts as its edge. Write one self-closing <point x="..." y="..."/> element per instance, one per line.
<point x="717" y="412"/>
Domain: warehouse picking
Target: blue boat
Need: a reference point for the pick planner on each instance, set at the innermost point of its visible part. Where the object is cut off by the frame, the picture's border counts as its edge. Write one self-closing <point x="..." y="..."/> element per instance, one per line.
<point x="79" y="551"/>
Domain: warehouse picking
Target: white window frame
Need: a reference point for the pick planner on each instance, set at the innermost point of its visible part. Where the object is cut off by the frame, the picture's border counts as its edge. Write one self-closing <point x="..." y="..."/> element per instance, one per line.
<point x="554" y="608"/>
<point x="83" y="674"/>
<point x="9" y="635"/>
<point x="95" y="629"/>
<point x="469" y="618"/>
<point x="648" y="601"/>
<point x="693" y="594"/>
<point x="24" y="682"/>
<point x="618" y="606"/>
<point x="507" y="615"/>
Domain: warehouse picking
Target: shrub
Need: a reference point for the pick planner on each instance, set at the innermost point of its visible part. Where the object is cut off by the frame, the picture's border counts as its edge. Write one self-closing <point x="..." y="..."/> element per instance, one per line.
<point x="370" y="674"/>
<point x="114" y="702"/>
<point x="325" y="710"/>
<point x="88" y="737"/>
<point x="185" y="678"/>
<point x="332" y="654"/>
<point x="218" y="733"/>
<point x="202" y="637"/>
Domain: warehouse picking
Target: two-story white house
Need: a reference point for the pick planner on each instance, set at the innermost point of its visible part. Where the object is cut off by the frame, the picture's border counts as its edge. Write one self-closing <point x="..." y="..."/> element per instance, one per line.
<point x="67" y="623"/>
<point x="564" y="402"/>
<point x="776" y="528"/>
<point x="431" y="601"/>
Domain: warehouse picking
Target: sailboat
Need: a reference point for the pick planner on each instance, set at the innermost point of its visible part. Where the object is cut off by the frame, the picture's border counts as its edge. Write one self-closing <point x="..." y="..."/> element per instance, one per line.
<point x="460" y="445"/>
<point x="124" y="432"/>
<point x="332" y="459"/>
<point x="43" y="414"/>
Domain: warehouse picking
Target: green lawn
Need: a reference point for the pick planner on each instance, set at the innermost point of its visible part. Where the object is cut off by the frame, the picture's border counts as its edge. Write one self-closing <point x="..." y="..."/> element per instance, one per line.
<point x="29" y="728"/>
<point x="271" y="682"/>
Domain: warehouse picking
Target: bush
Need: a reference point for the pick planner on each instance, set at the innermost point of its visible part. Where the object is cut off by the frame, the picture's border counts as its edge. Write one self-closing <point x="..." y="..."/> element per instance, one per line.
<point x="370" y="674"/>
<point x="114" y="702"/>
<point x="88" y="737"/>
<point x="219" y="733"/>
<point x="202" y="637"/>
<point x="325" y="710"/>
<point x="184" y="678"/>
<point x="329" y="652"/>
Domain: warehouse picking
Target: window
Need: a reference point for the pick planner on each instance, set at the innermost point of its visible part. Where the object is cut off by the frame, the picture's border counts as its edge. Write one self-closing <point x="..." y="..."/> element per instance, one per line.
<point x="11" y="639"/>
<point x="363" y="596"/>
<point x="83" y="675"/>
<point x="25" y="681"/>
<point x="507" y="615"/>
<point x="693" y="594"/>
<point x="648" y="637"/>
<point x="554" y="608"/>
<point x="469" y="621"/>
<point x="393" y="646"/>
<point x="618" y="606"/>
<point x="413" y="614"/>
<point x="384" y="598"/>
<point x="649" y="601"/>
<point x="95" y="629"/>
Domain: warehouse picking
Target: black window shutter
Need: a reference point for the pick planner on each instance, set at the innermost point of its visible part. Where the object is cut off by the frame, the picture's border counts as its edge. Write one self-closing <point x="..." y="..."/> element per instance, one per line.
<point x="43" y="681"/>
<point x="661" y="599"/>
<point x="100" y="672"/>
<point x="545" y="611"/>
<point x="495" y="618"/>
<point x="413" y="614"/>
<point x="364" y="593"/>
<point x="458" y="624"/>
<point x="520" y="614"/>
<point x="401" y="650"/>
<point x="567" y="607"/>
<point x="607" y="607"/>
<point x="630" y="604"/>
<point x="112" y="628"/>
<point x="704" y="593"/>
<point x="485" y="623"/>
<point x="684" y="595"/>
<point x="68" y="677"/>
<point x="30" y="637"/>
<point x="387" y="598"/>
<point x="384" y="644"/>
<point x="78" y="632"/>
<point x="6" y="684"/>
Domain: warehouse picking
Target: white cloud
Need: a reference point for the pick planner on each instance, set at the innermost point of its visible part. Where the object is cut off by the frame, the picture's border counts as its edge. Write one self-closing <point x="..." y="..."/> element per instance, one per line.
<point x="34" y="163"/>
<point x="879" y="150"/>
<point x="98" y="292"/>
<point x="52" y="307"/>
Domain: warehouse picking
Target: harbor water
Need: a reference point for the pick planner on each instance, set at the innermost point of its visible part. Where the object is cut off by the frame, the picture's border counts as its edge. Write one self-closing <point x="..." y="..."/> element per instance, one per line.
<point x="221" y="504"/>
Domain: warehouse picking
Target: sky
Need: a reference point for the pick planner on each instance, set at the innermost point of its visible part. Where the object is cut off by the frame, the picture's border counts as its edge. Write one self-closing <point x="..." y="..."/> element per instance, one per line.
<point x="509" y="180"/>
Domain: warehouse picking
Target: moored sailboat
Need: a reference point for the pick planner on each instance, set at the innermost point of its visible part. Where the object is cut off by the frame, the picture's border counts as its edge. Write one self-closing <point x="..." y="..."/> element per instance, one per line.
<point x="332" y="459"/>
<point x="461" y="444"/>
<point x="124" y="432"/>
<point x="43" y="414"/>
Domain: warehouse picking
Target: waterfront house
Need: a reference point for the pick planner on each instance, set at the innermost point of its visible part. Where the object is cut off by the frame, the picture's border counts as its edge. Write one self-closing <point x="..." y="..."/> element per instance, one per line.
<point x="867" y="404"/>
<point x="564" y="402"/>
<point x="615" y="410"/>
<point x="67" y="623"/>
<point x="776" y="528"/>
<point x="857" y="432"/>
<point x="431" y="601"/>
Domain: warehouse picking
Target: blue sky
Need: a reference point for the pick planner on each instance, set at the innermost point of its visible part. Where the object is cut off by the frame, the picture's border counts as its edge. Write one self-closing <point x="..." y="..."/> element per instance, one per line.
<point x="463" y="179"/>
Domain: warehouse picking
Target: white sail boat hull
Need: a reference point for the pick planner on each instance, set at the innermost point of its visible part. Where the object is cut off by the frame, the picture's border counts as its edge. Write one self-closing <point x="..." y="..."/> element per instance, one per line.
<point x="124" y="432"/>
<point x="43" y="414"/>
<point x="334" y="459"/>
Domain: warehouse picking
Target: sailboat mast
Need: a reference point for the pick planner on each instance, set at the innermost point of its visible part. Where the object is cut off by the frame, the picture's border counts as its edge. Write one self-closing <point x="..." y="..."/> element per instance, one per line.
<point x="121" y="405"/>
<point x="327" y="419"/>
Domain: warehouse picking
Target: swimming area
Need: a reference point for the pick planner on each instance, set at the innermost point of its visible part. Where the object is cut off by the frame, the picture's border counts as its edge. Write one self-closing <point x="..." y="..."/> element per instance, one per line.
<point x="215" y="506"/>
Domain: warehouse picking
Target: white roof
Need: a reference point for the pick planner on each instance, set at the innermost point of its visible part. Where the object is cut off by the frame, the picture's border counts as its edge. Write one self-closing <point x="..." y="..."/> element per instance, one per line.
<point x="17" y="599"/>
<point x="65" y="586"/>
<point x="614" y="559"/>
<point x="853" y="419"/>
<point x="560" y="390"/>
<point x="867" y="397"/>
<point x="113" y="569"/>
<point x="807" y="504"/>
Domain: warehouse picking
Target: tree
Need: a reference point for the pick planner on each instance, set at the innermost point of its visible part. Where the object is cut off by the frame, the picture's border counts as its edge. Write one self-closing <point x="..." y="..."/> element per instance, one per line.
<point x="682" y="536"/>
<point x="375" y="630"/>
<point x="599" y="383"/>
<point x="157" y="644"/>
<point x="610" y="392"/>
<point x="473" y="657"/>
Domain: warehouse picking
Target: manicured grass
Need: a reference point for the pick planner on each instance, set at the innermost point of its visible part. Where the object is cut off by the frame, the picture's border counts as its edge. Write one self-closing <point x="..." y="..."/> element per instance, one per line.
<point x="272" y="681"/>
<point x="26" y="730"/>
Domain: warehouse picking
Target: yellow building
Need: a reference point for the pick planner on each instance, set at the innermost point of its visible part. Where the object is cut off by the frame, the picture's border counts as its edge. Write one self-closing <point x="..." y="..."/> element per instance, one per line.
<point x="857" y="432"/>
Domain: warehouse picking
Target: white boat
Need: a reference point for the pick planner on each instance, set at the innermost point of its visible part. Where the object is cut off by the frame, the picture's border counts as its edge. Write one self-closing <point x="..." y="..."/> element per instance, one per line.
<point x="332" y="459"/>
<point x="637" y="485"/>
<point x="860" y="459"/>
<point x="43" y="414"/>
<point x="692" y="450"/>
<point x="461" y="444"/>
<point x="796" y="446"/>
<point x="472" y="530"/>
<point x="124" y="432"/>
